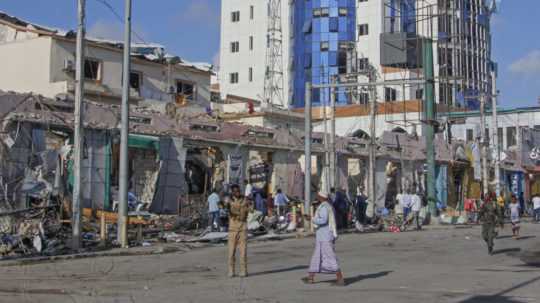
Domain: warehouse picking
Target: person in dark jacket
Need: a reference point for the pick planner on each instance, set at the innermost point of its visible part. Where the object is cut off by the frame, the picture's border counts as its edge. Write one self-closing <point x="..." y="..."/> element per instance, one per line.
<point x="339" y="201"/>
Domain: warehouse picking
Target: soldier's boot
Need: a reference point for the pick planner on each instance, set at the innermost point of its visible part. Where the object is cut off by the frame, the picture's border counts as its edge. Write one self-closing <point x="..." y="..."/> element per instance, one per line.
<point x="490" y="250"/>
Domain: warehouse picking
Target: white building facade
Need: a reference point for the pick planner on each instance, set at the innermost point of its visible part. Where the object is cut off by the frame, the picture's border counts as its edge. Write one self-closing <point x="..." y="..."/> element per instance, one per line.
<point x="41" y="61"/>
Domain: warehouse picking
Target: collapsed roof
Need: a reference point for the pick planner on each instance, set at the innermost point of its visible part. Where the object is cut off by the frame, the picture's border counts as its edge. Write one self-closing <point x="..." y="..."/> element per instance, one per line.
<point x="144" y="121"/>
<point x="147" y="51"/>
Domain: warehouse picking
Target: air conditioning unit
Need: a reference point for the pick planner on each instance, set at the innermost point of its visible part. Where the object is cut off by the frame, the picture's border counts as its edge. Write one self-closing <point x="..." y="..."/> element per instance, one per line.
<point x="69" y="66"/>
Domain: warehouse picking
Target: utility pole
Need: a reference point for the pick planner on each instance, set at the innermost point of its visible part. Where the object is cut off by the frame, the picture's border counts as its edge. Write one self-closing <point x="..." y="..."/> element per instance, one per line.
<point x="429" y="113"/>
<point x="79" y="118"/>
<point x="483" y="144"/>
<point x="495" y="134"/>
<point x="307" y="151"/>
<point x="326" y="140"/>
<point x="333" y="156"/>
<point x="124" y="132"/>
<point x="372" y="185"/>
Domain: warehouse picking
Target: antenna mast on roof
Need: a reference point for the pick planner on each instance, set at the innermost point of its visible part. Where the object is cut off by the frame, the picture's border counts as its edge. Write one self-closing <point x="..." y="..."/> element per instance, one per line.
<point x="273" y="80"/>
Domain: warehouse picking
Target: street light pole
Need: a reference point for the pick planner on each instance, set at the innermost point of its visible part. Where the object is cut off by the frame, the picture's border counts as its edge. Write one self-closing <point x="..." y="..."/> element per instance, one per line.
<point x="124" y="133"/>
<point x="333" y="156"/>
<point x="372" y="186"/>
<point x="307" y="151"/>
<point x="79" y="118"/>
<point x="429" y="114"/>
<point x="495" y="134"/>
<point x="483" y="144"/>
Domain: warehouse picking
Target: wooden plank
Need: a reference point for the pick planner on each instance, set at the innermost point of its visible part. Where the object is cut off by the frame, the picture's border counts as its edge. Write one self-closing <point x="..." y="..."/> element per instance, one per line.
<point x="111" y="217"/>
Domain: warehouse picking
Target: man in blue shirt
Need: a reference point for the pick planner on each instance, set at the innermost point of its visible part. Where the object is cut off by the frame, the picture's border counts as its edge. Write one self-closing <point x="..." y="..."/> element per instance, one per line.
<point x="280" y="202"/>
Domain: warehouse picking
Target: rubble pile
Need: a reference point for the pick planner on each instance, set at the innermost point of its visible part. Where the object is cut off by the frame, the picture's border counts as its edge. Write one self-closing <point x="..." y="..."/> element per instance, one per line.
<point x="32" y="232"/>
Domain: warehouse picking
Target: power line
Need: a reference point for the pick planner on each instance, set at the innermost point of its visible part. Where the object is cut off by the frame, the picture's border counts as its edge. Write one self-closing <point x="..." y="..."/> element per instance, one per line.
<point x="120" y="18"/>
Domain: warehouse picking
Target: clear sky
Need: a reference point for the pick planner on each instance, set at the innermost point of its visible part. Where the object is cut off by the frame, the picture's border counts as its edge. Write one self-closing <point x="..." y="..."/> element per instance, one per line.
<point x="190" y="29"/>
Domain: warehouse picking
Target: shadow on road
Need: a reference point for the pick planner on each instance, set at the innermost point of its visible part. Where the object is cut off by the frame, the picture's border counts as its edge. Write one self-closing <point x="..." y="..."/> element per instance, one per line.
<point x="352" y="280"/>
<point x="499" y="297"/>
<point x="491" y="299"/>
<point x="526" y="237"/>
<point x="275" y="271"/>
<point x="504" y="237"/>
<point x="507" y="251"/>
<point x="358" y="278"/>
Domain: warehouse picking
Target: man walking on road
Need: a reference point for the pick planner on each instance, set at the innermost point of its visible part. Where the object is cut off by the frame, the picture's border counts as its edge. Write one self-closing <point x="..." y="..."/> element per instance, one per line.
<point x="490" y="217"/>
<point x="238" y="213"/>
<point x="324" y="257"/>
<point x="536" y="207"/>
<point x="416" y="207"/>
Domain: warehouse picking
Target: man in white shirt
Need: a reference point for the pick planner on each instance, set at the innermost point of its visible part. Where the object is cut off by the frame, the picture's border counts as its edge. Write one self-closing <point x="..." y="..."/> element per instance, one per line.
<point x="213" y="210"/>
<point x="248" y="189"/>
<point x="536" y="207"/>
<point x="416" y="202"/>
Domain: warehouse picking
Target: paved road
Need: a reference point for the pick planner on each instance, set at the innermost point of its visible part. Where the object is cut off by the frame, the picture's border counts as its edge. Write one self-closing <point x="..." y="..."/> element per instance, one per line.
<point x="439" y="265"/>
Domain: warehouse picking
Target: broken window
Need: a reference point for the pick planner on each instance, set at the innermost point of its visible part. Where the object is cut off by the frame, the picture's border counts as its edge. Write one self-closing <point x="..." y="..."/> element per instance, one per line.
<point x="324" y="46"/>
<point x="260" y="134"/>
<point x="469" y="135"/>
<point x="92" y="69"/>
<point x="363" y="98"/>
<point x="325" y="12"/>
<point x="185" y="91"/>
<point x="135" y="81"/>
<point x="510" y="137"/>
<point x="204" y="127"/>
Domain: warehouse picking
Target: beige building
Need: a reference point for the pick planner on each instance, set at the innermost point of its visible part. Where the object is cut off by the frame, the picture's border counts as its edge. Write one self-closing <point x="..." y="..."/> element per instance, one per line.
<point x="42" y="61"/>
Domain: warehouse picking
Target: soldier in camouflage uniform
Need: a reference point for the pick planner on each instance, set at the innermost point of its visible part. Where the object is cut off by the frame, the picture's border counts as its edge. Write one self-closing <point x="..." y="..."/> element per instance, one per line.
<point x="490" y="217"/>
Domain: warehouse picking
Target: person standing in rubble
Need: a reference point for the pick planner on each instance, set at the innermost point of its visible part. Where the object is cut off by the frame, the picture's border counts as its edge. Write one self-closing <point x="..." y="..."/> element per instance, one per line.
<point x="341" y="206"/>
<point x="248" y="189"/>
<point x="280" y="202"/>
<point x="213" y="210"/>
<point x="324" y="258"/>
<point x="238" y="213"/>
<point x="490" y="217"/>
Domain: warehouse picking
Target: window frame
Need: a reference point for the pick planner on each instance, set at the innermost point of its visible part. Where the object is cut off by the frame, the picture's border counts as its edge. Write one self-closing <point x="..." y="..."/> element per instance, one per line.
<point x="235" y="16"/>
<point x="361" y="31"/>
<point x="235" y="47"/>
<point x="140" y="75"/>
<point x="99" y="72"/>
<point x="234" y="78"/>
<point x="182" y="93"/>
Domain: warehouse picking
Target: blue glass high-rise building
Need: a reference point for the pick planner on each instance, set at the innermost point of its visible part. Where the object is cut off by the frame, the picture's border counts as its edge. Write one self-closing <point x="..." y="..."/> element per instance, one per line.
<point x="323" y="30"/>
